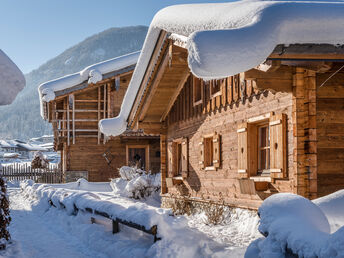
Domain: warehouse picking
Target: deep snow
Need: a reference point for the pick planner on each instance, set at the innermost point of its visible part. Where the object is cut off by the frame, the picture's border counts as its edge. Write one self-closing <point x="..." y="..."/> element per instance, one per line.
<point x="293" y="224"/>
<point x="40" y="230"/>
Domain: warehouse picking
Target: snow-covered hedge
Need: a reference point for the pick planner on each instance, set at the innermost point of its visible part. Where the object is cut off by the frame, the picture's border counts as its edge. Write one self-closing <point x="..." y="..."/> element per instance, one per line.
<point x="294" y="225"/>
<point x="135" y="183"/>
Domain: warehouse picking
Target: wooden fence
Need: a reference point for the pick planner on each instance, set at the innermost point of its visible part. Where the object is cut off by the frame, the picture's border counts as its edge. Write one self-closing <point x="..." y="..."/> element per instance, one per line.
<point x="18" y="171"/>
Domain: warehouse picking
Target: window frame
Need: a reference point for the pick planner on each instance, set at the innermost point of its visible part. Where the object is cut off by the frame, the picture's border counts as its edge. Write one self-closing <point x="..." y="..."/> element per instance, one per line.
<point x="218" y="92"/>
<point x="201" y="89"/>
<point x="263" y="124"/>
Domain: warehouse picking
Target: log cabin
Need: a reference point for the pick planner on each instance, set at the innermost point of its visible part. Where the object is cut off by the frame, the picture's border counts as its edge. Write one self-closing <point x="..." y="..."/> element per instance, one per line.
<point x="241" y="121"/>
<point x="74" y="104"/>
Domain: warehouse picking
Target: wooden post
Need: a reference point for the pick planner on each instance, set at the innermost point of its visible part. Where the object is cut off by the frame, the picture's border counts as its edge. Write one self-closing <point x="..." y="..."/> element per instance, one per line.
<point x="115" y="226"/>
<point x="98" y="114"/>
<point x="104" y="107"/>
<point x="73" y="117"/>
<point x="68" y="133"/>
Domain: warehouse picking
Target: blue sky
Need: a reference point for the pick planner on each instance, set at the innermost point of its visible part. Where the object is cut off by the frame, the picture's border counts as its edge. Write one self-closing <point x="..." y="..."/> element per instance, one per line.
<point x="33" y="31"/>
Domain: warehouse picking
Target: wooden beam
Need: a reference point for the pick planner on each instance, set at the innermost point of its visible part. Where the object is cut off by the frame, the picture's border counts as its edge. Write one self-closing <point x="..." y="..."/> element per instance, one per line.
<point x="175" y="95"/>
<point x="68" y="125"/>
<point x="317" y="52"/>
<point x="98" y="114"/>
<point x="149" y="128"/>
<point x="160" y="72"/>
<point x="104" y="108"/>
<point x="73" y="117"/>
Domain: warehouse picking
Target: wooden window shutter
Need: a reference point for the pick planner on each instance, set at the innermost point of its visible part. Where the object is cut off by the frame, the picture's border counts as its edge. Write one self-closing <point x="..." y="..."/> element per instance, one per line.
<point x="185" y="166"/>
<point x="278" y="146"/>
<point x="201" y="154"/>
<point x="217" y="150"/>
<point x="170" y="159"/>
<point x="242" y="150"/>
<point x="174" y="158"/>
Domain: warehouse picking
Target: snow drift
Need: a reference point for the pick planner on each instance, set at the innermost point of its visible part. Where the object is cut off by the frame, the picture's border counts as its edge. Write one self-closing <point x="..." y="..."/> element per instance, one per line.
<point x="178" y="239"/>
<point x="294" y="225"/>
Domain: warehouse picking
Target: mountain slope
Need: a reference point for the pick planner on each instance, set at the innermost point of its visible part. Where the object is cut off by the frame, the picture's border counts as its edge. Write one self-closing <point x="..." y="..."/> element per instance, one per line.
<point x="22" y="120"/>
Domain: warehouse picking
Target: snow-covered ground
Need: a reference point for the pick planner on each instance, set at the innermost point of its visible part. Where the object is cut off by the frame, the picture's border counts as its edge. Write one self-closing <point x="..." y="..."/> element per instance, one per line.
<point x="41" y="230"/>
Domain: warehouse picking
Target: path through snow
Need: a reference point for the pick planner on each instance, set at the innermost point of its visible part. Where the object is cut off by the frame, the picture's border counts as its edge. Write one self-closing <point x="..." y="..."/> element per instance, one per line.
<point x="39" y="238"/>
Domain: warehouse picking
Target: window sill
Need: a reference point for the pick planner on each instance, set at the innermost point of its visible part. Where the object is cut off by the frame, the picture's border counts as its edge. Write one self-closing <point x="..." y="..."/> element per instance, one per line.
<point x="261" y="178"/>
<point x="212" y="168"/>
<point x="178" y="178"/>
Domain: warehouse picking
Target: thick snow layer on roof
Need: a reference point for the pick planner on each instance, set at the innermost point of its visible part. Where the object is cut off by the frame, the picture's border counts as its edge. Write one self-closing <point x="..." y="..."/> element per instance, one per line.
<point x="229" y="38"/>
<point x="93" y="74"/>
<point x="12" y="80"/>
<point x="293" y="224"/>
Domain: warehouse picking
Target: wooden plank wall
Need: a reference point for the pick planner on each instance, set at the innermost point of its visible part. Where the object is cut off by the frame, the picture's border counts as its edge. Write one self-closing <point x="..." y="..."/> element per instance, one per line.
<point x="88" y="155"/>
<point x="223" y="114"/>
<point x="231" y="93"/>
<point x="86" y="146"/>
<point x="330" y="124"/>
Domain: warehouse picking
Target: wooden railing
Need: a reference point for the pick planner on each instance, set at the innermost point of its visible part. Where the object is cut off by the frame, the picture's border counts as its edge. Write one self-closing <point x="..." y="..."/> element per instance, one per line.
<point x="19" y="171"/>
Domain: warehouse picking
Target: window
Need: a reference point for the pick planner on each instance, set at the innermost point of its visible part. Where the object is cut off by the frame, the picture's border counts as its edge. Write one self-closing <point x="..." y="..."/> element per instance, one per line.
<point x="210" y="152"/>
<point x="263" y="149"/>
<point x="178" y="158"/>
<point x="197" y="91"/>
<point x="215" y="88"/>
<point x="138" y="156"/>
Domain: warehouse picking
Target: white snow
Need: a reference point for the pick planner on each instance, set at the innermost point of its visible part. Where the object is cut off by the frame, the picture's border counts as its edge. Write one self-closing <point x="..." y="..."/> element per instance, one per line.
<point x="12" y="80"/>
<point x="295" y="225"/>
<point x="333" y="207"/>
<point x="224" y="39"/>
<point x="45" y="231"/>
<point x="92" y="74"/>
<point x="138" y="184"/>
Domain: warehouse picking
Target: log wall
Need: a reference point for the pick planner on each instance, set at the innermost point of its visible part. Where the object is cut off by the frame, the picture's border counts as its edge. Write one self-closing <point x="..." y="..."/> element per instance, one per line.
<point x="222" y="114"/>
<point x="330" y="124"/>
<point x="88" y="155"/>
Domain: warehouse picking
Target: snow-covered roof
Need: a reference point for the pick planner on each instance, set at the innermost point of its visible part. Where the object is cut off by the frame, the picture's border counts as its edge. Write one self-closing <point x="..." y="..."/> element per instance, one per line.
<point x="92" y="74"/>
<point x="224" y="39"/>
<point x="12" y="80"/>
<point x="21" y="144"/>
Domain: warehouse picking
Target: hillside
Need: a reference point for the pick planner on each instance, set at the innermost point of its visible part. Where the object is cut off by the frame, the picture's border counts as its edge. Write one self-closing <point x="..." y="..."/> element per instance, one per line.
<point x="22" y="120"/>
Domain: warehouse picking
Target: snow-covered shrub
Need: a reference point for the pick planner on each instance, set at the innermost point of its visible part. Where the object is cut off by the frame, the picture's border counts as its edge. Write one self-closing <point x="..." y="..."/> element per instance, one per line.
<point x="135" y="183"/>
<point x="5" y="218"/>
<point x="39" y="161"/>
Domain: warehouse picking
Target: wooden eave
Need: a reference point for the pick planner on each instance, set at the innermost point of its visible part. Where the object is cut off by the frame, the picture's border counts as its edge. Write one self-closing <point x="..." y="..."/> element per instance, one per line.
<point x="309" y="52"/>
<point x="170" y="70"/>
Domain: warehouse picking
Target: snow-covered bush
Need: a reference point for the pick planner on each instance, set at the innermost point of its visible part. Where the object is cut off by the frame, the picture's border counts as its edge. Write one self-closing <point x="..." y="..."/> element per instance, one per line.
<point x="39" y="161"/>
<point x="135" y="183"/>
<point x="5" y="218"/>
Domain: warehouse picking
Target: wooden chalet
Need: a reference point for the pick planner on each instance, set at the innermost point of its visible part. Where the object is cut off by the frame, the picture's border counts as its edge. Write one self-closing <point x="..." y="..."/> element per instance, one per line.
<point x="276" y="128"/>
<point x="85" y="152"/>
